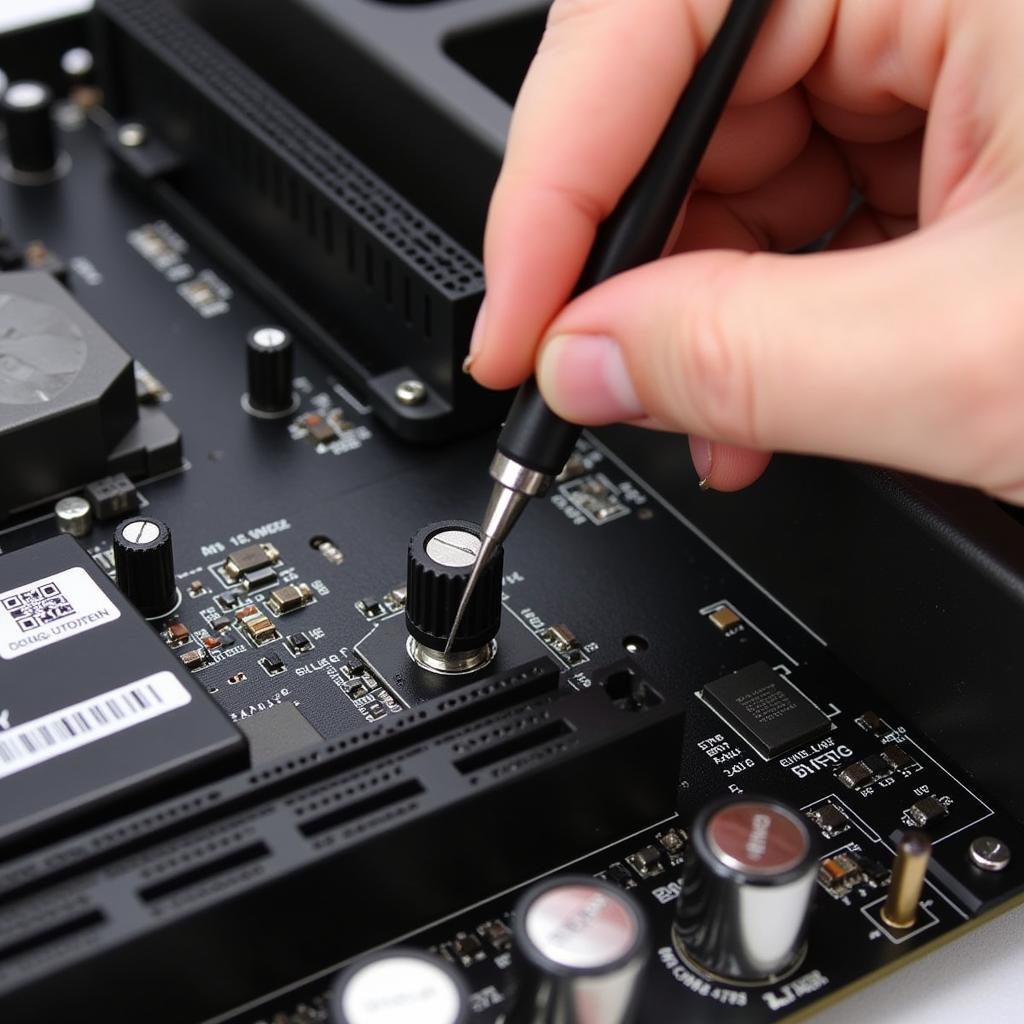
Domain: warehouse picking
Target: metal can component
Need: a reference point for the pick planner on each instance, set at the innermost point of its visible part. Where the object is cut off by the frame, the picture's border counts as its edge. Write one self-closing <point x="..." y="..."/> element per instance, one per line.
<point x="580" y="947"/>
<point x="746" y="889"/>
<point x="74" y="516"/>
<point x="396" y="986"/>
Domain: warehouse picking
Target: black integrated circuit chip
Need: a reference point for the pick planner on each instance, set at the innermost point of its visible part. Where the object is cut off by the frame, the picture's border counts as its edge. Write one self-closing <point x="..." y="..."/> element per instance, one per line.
<point x="765" y="709"/>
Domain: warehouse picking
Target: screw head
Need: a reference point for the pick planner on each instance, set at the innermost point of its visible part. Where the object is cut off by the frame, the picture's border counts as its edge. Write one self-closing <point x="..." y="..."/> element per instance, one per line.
<point x="411" y="392"/>
<point x="132" y="135"/>
<point x="989" y="853"/>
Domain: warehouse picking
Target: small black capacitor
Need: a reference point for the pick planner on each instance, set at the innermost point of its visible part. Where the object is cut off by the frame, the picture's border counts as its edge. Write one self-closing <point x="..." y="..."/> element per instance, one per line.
<point x="270" y="356"/>
<point x="144" y="565"/>
<point x="31" y="135"/>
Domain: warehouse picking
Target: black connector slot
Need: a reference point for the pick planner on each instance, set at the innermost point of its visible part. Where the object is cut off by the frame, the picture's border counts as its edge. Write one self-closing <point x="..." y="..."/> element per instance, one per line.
<point x="235" y="859"/>
<point x="490" y="696"/>
<point x="377" y="802"/>
<point x="64" y="930"/>
<point x="518" y="745"/>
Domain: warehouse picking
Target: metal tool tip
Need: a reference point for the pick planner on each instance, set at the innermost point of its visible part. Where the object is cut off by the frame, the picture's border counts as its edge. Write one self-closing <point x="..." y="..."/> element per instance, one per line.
<point x="483" y="556"/>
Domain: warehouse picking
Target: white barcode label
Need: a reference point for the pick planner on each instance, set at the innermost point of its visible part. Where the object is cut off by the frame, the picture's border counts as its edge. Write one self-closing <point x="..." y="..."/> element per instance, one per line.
<point x="40" y="613"/>
<point x="29" y="743"/>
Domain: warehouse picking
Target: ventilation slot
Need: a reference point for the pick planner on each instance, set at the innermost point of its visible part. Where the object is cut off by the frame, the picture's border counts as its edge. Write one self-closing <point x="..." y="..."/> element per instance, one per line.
<point x="377" y="802"/>
<point x="518" y="745"/>
<point x="235" y="859"/>
<point x="50" y="935"/>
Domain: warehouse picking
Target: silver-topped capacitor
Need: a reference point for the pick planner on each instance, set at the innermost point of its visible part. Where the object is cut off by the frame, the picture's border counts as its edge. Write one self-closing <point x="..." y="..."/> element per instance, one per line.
<point x="74" y="515"/>
<point x="580" y="946"/>
<point x="746" y="889"/>
<point x="33" y="156"/>
<point x="269" y="360"/>
<point x="399" y="986"/>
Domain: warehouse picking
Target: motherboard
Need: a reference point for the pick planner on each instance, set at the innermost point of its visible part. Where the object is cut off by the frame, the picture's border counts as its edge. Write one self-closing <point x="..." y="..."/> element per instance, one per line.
<point x="238" y="770"/>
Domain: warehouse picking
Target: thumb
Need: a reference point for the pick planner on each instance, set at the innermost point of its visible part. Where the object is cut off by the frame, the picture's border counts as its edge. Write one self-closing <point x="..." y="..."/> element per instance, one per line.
<point x="898" y="354"/>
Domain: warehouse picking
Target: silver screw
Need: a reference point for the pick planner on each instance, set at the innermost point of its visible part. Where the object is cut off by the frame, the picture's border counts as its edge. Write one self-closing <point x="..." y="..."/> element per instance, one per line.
<point x="989" y="853"/>
<point x="411" y="392"/>
<point x="132" y="135"/>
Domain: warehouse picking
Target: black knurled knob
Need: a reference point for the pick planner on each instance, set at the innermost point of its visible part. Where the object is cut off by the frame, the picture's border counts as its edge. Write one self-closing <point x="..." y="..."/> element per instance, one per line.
<point x="441" y="558"/>
<point x="31" y="136"/>
<point x="144" y="564"/>
<point x="269" y="361"/>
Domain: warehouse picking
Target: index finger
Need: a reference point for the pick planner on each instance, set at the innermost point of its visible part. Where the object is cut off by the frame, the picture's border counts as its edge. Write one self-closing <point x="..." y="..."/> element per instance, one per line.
<point x="595" y="99"/>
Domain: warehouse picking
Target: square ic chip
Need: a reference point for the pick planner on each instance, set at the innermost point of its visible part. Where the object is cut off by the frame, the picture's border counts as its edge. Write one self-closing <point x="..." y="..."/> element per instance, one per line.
<point x="765" y="709"/>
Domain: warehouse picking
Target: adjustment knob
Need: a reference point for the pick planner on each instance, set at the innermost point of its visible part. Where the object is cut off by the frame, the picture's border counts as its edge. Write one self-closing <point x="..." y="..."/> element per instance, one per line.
<point x="580" y="947"/>
<point x="144" y="565"/>
<point x="270" y="361"/>
<point x="441" y="558"/>
<point x="31" y="135"/>
<point x="746" y="888"/>
<point x="395" y="986"/>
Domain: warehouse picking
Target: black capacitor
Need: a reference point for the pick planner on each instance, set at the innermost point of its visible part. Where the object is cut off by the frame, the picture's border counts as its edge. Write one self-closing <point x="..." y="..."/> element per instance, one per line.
<point x="31" y="135"/>
<point x="398" y="985"/>
<point x="580" y="947"/>
<point x="441" y="558"/>
<point x="270" y="361"/>
<point x="144" y="565"/>
<point x="746" y="888"/>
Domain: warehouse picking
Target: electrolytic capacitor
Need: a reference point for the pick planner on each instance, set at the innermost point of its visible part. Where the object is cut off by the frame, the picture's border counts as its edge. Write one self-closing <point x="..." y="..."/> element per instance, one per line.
<point x="399" y="986"/>
<point x="746" y="888"/>
<point x="144" y="565"/>
<point x="32" y="152"/>
<point x="439" y="563"/>
<point x="580" y="947"/>
<point x="270" y="361"/>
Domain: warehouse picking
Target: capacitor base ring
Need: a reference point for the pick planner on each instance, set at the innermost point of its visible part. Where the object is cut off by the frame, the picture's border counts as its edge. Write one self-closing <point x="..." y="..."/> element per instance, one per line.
<point x="723" y="979"/>
<point x="261" y="414"/>
<point x="456" y="663"/>
<point x="33" y="178"/>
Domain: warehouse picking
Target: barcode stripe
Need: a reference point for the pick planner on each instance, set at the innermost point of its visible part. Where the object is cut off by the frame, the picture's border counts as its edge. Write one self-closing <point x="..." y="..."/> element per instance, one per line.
<point x="42" y="738"/>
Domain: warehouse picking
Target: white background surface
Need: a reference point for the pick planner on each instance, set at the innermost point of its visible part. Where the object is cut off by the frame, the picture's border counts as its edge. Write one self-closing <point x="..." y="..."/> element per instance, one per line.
<point x="978" y="979"/>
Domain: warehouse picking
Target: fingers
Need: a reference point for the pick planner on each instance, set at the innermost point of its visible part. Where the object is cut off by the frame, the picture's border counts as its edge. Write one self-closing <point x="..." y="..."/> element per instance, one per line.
<point x="786" y="212"/>
<point x="725" y="467"/>
<point x="593" y="103"/>
<point x="893" y="355"/>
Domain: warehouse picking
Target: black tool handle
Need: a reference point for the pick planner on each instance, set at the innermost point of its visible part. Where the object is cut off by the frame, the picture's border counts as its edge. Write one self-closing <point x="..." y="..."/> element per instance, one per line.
<point x="637" y="231"/>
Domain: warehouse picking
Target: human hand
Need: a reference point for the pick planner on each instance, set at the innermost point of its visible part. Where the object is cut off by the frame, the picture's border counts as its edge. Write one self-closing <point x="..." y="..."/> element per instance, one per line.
<point x="902" y="345"/>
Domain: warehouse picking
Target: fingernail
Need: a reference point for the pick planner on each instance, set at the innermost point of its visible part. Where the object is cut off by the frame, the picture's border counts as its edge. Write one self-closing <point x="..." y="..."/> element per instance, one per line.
<point x="700" y="452"/>
<point x="477" y="338"/>
<point x="467" y="363"/>
<point x="586" y="378"/>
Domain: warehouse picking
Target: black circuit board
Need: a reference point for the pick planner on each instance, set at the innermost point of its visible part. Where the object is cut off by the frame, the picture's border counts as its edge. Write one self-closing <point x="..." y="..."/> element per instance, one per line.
<point x="599" y="566"/>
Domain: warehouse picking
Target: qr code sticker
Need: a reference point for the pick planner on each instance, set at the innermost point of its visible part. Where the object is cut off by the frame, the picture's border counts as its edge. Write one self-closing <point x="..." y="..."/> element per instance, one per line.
<point x="33" y="608"/>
